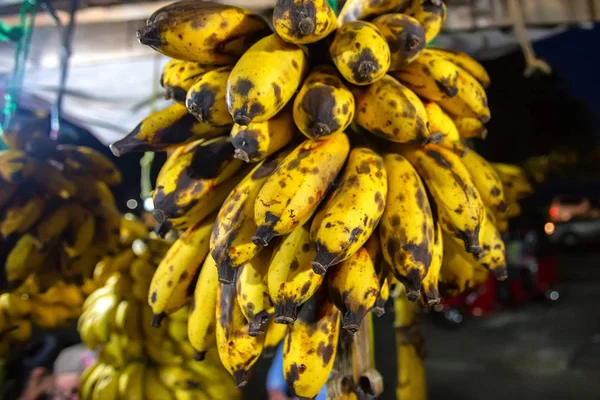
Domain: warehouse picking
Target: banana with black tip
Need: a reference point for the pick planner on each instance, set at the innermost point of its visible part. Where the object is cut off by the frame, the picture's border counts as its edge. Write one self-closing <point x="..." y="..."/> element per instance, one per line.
<point x="303" y="21"/>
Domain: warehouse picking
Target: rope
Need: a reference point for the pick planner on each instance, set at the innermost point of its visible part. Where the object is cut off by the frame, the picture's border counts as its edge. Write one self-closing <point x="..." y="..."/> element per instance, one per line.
<point x="532" y="63"/>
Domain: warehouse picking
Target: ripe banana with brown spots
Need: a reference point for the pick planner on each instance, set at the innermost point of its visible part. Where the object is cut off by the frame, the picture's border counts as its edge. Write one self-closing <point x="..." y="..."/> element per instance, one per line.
<point x="430" y="282"/>
<point x="231" y="240"/>
<point x="364" y="9"/>
<point x="406" y="229"/>
<point x="469" y="127"/>
<point x="434" y="78"/>
<point x="441" y="123"/>
<point x="191" y="174"/>
<point x="466" y="62"/>
<point x="303" y="21"/>
<point x="458" y="203"/>
<point x="292" y="193"/>
<point x="172" y="283"/>
<point x="24" y="211"/>
<point x="237" y="349"/>
<point x="201" y="31"/>
<point x="165" y="130"/>
<point x="201" y="320"/>
<point x="206" y="98"/>
<point x="405" y="37"/>
<point x="310" y="348"/>
<point x="258" y="140"/>
<point x="256" y="91"/>
<point x="392" y="111"/>
<point x="493" y="257"/>
<point x="291" y="279"/>
<point x="360" y="52"/>
<point x="324" y="105"/>
<point x="456" y="274"/>
<point x="178" y="76"/>
<point x="431" y="14"/>
<point x="384" y="296"/>
<point x="352" y="212"/>
<point x="486" y="181"/>
<point x="353" y="287"/>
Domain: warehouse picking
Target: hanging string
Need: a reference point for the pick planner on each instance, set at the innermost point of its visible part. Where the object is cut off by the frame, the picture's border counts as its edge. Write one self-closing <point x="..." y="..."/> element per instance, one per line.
<point x="23" y="45"/>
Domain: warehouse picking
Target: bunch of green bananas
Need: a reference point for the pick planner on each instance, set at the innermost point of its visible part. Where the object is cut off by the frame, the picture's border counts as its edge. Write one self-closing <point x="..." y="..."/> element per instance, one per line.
<point x="57" y="213"/>
<point x="135" y="360"/>
<point x="361" y="180"/>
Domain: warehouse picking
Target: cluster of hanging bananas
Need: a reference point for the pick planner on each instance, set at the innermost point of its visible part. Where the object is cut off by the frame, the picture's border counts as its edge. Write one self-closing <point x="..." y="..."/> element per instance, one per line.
<point x="57" y="213"/>
<point x="381" y="189"/>
<point x="136" y="361"/>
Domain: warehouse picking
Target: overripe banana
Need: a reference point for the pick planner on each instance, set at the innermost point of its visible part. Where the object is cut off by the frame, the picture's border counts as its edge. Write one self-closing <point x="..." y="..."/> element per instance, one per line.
<point x="486" y="181"/>
<point x="205" y="99"/>
<point x="178" y="76"/>
<point x="431" y="14"/>
<point x="303" y="21"/>
<point x="201" y="321"/>
<point x="405" y="37"/>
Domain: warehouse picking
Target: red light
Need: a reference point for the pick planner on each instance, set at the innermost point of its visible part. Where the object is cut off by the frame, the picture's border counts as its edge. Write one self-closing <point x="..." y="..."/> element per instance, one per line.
<point x="553" y="212"/>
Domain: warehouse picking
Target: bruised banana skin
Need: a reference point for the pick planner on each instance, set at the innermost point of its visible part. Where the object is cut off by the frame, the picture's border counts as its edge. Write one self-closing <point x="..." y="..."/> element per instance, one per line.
<point x="178" y="76"/>
<point x="390" y="110"/>
<point x="459" y="205"/>
<point x="309" y="350"/>
<point x="324" y="105"/>
<point x="231" y="240"/>
<point x="360" y="52"/>
<point x="201" y="320"/>
<point x="361" y="9"/>
<point x="256" y="92"/>
<point x="165" y="130"/>
<point x="204" y="32"/>
<point x="294" y="190"/>
<point x="430" y="282"/>
<point x="206" y="98"/>
<point x="189" y="175"/>
<point x="486" y="181"/>
<point x="405" y="37"/>
<point x="434" y="78"/>
<point x="174" y="275"/>
<point x="258" y="140"/>
<point x="238" y="350"/>
<point x="291" y="279"/>
<point x="303" y="21"/>
<point x="469" y="127"/>
<point x="406" y="229"/>
<point x="431" y="14"/>
<point x="441" y="123"/>
<point x="353" y="287"/>
<point x="466" y="62"/>
<point x="352" y="212"/>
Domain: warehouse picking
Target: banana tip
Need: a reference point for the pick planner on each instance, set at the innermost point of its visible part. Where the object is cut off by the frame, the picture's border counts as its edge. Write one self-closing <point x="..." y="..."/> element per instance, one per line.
<point x="413" y="296"/>
<point x="264" y="234"/>
<point x="351" y="328"/>
<point x="157" y="319"/>
<point x="306" y="26"/>
<point x="433" y="138"/>
<point x="318" y="268"/>
<point x="114" y="148"/>
<point x="241" y="155"/>
<point x="502" y="207"/>
<point x="241" y="119"/>
<point x="500" y="273"/>
<point x="378" y="311"/>
<point x="320" y="129"/>
<point x="282" y="319"/>
<point x="199" y="355"/>
<point x="149" y="36"/>
<point x="239" y="377"/>
<point x="366" y="68"/>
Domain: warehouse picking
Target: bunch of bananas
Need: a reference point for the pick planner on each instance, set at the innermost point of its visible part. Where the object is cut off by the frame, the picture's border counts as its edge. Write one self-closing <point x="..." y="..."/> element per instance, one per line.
<point x="57" y="213"/>
<point x="360" y="178"/>
<point x="136" y="361"/>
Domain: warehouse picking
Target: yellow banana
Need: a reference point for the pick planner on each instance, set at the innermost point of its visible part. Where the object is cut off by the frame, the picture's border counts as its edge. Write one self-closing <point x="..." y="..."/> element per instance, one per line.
<point x="390" y="110"/>
<point x="441" y="123"/>
<point x="361" y="9"/>
<point x="80" y="231"/>
<point x="107" y="386"/>
<point x="274" y="334"/>
<point x="15" y="305"/>
<point x="188" y="176"/>
<point x="208" y="33"/>
<point x="164" y="130"/>
<point x="466" y="62"/>
<point x="238" y="350"/>
<point x="86" y="388"/>
<point x="493" y="257"/>
<point x="436" y="79"/>
<point x="360" y="52"/>
<point x="456" y="274"/>
<point x="303" y="21"/>
<point x="406" y="227"/>
<point x="324" y="105"/>
<point x="353" y="210"/>
<point x="405" y="37"/>
<point x="231" y="240"/>
<point x="131" y="382"/>
<point x="178" y="377"/>
<point x="196" y="394"/>
<point x="430" y="282"/>
<point x="292" y="193"/>
<point x="21" y="215"/>
<point x="291" y="279"/>
<point x="15" y="166"/>
<point x="486" y="181"/>
<point x="514" y="181"/>
<point x="384" y="295"/>
<point x="256" y="92"/>
<point x="205" y="99"/>
<point x="171" y="284"/>
<point x="431" y="14"/>
<point x="252" y="292"/>
<point x="51" y="181"/>
<point x="201" y="322"/>
<point x="353" y="287"/>
<point x="309" y="349"/>
<point x="128" y="318"/>
<point x="87" y="161"/>
<point x="469" y="127"/>
<point x="458" y="203"/>
<point x="258" y="140"/>
<point x="24" y="259"/>
<point x="178" y="76"/>
<point x="153" y="386"/>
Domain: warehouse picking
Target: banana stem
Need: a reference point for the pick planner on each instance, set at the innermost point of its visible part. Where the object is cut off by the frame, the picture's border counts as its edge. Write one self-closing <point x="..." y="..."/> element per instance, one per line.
<point x="533" y="64"/>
